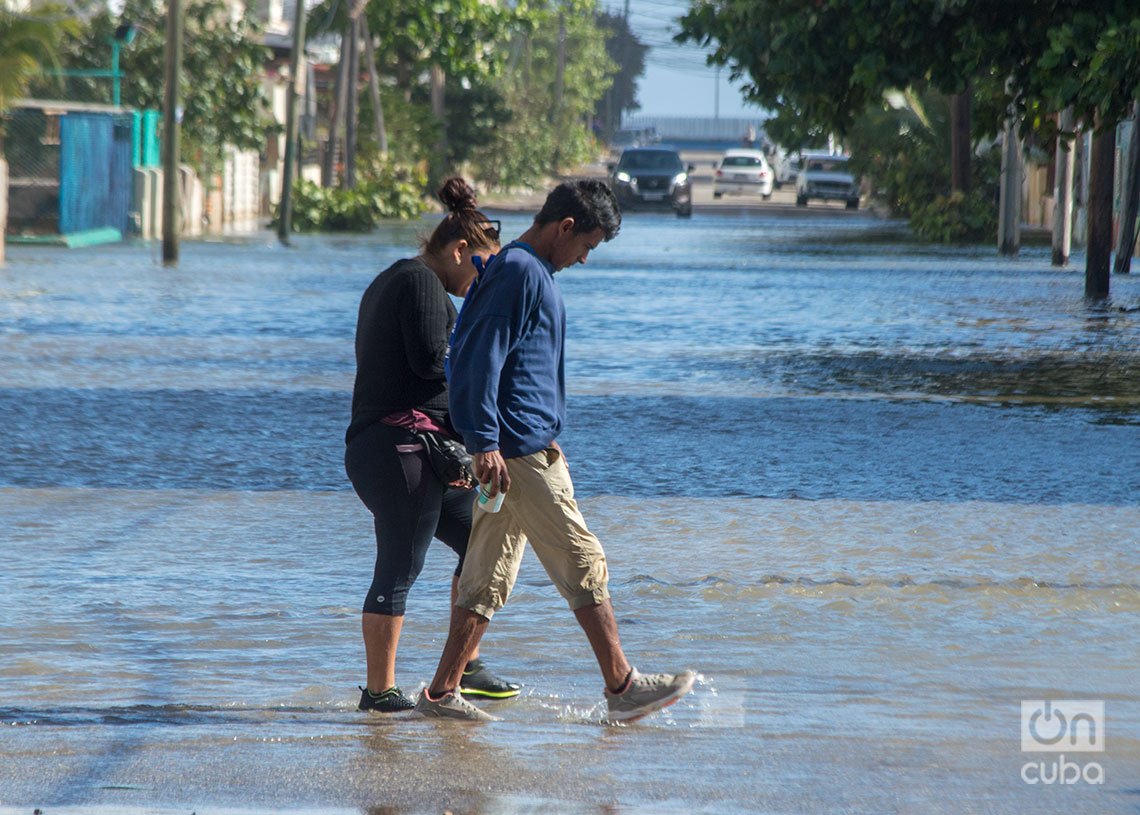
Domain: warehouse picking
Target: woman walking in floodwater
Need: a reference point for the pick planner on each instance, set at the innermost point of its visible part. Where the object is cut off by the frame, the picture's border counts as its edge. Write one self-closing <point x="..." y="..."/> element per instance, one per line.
<point x="399" y="396"/>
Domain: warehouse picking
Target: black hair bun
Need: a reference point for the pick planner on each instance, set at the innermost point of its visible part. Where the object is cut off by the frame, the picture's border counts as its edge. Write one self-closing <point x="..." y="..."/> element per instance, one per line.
<point x="457" y="195"/>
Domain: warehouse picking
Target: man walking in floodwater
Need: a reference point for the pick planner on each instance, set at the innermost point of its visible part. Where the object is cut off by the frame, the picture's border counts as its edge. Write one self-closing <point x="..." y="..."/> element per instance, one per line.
<point x="507" y="399"/>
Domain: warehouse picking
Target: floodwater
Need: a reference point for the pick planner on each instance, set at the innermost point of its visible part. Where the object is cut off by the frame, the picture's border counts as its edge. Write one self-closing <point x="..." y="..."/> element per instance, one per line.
<point x="879" y="494"/>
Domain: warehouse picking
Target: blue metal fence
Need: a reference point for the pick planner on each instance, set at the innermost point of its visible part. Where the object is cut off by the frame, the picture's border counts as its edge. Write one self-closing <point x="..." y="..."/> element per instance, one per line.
<point x="94" y="172"/>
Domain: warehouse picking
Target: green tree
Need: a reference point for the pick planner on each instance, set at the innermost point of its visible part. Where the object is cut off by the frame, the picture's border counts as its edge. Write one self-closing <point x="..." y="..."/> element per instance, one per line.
<point x="1058" y="54"/>
<point x="627" y="52"/>
<point x="558" y="71"/>
<point x="475" y="111"/>
<point x="514" y="110"/>
<point x="409" y="39"/>
<point x="29" y="46"/>
<point x="904" y="145"/>
<point x="223" y="66"/>
<point x="827" y="61"/>
<point x="821" y="66"/>
<point x="457" y="35"/>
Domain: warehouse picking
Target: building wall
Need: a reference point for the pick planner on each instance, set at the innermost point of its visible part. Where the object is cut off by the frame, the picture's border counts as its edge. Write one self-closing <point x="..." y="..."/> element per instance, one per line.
<point x="241" y="185"/>
<point x="278" y="93"/>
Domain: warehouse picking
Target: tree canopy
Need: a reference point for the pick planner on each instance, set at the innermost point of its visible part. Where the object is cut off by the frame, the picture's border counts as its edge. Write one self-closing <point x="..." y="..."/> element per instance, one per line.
<point x="411" y="36"/>
<point x="523" y="81"/>
<point x="28" y="46"/>
<point x="628" y="53"/>
<point x="823" y="65"/>
<point x="223" y="67"/>
<point x="550" y="98"/>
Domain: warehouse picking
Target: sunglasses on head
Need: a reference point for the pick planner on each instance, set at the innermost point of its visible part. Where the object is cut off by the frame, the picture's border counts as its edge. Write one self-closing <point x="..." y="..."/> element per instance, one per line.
<point x="492" y="228"/>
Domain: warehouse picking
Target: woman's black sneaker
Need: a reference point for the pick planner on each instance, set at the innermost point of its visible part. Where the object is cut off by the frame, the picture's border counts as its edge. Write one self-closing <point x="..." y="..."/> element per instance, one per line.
<point x="390" y="701"/>
<point x="479" y="681"/>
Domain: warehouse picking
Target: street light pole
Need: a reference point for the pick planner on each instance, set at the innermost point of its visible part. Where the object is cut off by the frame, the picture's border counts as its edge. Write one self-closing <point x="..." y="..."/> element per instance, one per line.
<point x="124" y="35"/>
<point x="115" y="72"/>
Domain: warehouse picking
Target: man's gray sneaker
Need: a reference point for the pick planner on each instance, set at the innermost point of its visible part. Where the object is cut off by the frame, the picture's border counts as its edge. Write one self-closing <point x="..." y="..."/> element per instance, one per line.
<point x="648" y="693"/>
<point x="451" y="706"/>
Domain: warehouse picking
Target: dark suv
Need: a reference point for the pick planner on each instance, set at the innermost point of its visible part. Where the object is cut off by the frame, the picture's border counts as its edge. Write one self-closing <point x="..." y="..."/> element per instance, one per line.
<point x="652" y="177"/>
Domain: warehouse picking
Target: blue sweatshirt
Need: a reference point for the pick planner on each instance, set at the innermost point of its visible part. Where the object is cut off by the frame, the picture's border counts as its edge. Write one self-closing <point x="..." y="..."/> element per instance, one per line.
<point x="507" y="388"/>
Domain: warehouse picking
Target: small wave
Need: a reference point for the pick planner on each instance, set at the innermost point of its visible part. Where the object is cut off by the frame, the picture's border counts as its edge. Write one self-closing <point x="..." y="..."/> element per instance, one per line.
<point x="167" y="715"/>
<point x="903" y="582"/>
<point x="645" y="580"/>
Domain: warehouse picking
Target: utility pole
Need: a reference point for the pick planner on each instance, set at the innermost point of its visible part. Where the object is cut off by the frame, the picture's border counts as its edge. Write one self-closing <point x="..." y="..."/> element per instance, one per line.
<point x="374" y="88"/>
<point x="171" y="217"/>
<point x="560" y="68"/>
<point x="559" y="80"/>
<point x="1009" y="216"/>
<point x="626" y="41"/>
<point x="350" y="109"/>
<point x="716" y="95"/>
<point x="328" y="171"/>
<point x="296" y="63"/>
<point x="1099" y="252"/>
<point x="1065" y="161"/>
<point x="1130" y="199"/>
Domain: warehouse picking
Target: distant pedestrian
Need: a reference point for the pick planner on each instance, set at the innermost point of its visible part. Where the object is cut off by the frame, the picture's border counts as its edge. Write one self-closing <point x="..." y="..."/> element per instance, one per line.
<point x="399" y="405"/>
<point x="507" y="399"/>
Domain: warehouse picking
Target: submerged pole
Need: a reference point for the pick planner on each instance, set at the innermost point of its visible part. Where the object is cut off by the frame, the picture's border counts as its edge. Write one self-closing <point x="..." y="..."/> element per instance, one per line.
<point x="1009" y="217"/>
<point x="1063" y="189"/>
<point x="172" y="118"/>
<point x="1130" y="200"/>
<point x="285" y="210"/>
<point x="1098" y="255"/>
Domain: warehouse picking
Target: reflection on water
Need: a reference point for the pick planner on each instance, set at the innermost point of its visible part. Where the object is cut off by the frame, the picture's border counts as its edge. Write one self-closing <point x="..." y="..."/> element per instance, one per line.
<point x="184" y="559"/>
<point x="1105" y="381"/>
<point x="649" y="445"/>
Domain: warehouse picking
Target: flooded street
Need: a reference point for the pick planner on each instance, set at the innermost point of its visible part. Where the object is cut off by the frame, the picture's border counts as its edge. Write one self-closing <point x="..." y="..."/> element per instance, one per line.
<point x="878" y="493"/>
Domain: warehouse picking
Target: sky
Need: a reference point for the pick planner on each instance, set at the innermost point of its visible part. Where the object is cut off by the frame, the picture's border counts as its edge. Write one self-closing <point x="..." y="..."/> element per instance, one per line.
<point x="677" y="82"/>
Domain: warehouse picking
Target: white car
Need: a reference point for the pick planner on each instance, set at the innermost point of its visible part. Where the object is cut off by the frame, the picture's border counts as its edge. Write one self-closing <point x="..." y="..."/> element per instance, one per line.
<point x="743" y="172"/>
<point x="827" y="178"/>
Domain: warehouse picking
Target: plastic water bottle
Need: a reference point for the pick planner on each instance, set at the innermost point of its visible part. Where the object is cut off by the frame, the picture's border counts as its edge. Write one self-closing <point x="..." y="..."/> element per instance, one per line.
<point x="486" y="501"/>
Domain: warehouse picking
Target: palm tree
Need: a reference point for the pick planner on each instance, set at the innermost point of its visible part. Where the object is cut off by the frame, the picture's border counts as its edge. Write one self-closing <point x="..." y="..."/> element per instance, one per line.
<point x="28" y="44"/>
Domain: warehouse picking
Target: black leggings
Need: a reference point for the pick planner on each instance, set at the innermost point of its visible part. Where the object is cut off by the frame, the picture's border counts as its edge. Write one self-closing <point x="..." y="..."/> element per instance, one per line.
<point x="410" y="506"/>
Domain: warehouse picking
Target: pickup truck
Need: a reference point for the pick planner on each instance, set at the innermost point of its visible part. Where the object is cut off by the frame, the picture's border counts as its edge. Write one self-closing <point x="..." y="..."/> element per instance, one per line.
<point x="826" y="178"/>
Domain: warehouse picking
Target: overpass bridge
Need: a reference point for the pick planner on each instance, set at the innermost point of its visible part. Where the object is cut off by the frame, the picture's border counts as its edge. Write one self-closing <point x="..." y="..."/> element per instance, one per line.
<point x="691" y="132"/>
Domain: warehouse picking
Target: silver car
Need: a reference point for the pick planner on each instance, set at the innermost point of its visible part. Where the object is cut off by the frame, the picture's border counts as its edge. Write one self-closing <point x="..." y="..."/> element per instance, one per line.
<point x="743" y="172"/>
<point x="826" y="178"/>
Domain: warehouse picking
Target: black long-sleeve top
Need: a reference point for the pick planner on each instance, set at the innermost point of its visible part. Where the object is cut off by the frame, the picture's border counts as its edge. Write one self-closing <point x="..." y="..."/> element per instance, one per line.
<point x="402" y="330"/>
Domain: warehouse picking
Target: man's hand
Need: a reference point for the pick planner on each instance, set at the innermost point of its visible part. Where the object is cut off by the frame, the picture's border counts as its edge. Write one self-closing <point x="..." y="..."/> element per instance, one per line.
<point x="490" y="468"/>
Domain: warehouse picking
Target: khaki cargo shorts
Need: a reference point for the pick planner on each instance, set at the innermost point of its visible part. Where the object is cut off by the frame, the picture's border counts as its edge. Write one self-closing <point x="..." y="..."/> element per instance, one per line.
<point x="539" y="507"/>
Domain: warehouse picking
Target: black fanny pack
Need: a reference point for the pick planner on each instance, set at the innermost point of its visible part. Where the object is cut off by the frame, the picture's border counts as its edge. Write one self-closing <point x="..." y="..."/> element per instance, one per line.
<point x="449" y="459"/>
